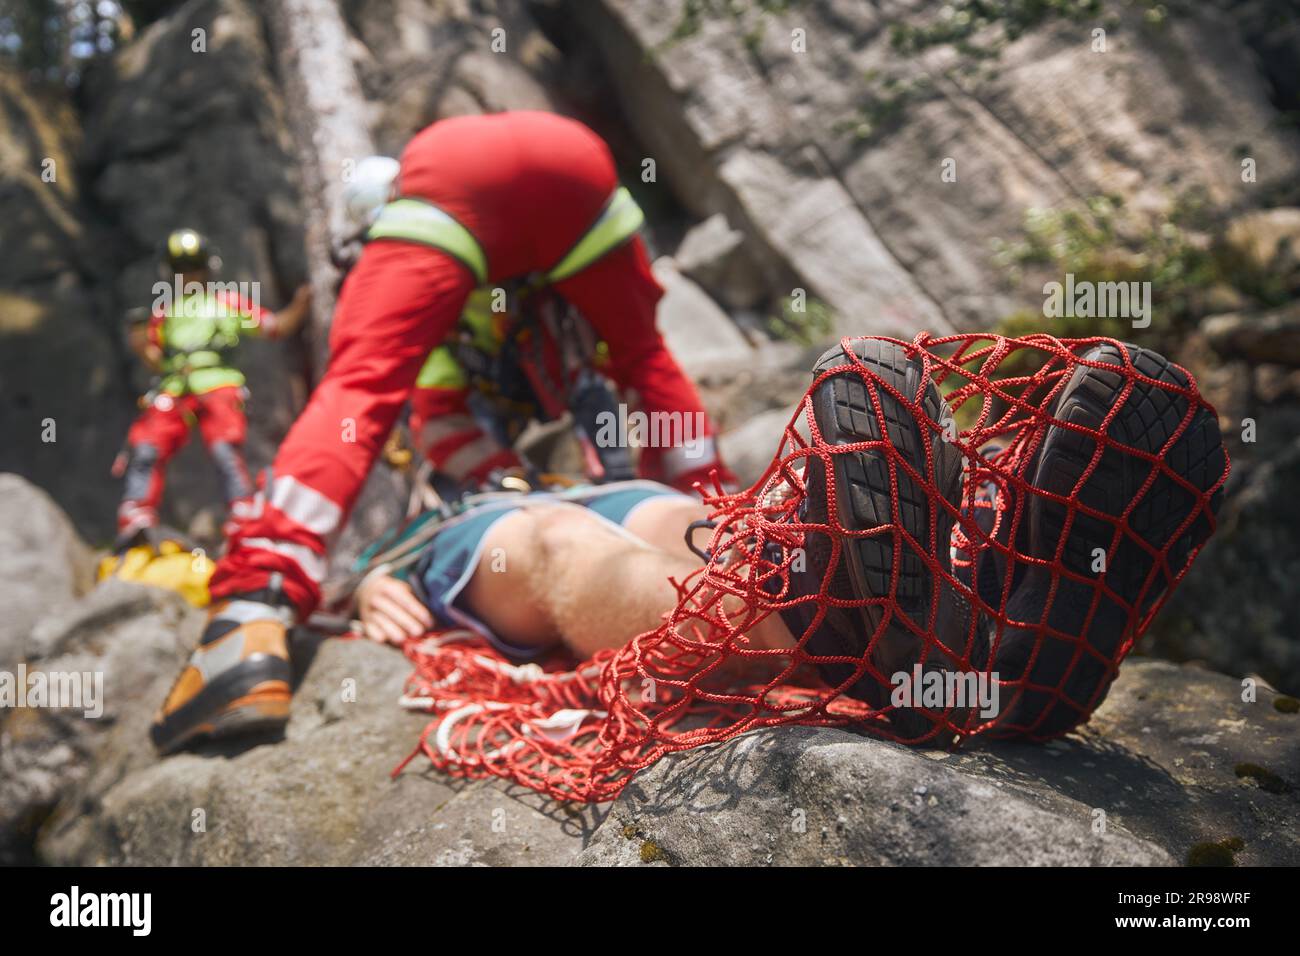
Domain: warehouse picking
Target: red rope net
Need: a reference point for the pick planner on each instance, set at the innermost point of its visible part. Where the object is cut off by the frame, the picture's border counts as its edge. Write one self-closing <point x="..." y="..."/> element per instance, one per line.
<point x="1067" y="536"/>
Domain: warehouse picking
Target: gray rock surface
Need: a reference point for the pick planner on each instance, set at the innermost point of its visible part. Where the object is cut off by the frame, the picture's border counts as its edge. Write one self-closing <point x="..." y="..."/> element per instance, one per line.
<point x="749" y="448"/>
<point x="715" y="255"/>
<point x="1172" y="763"/>
<point x="805" y="797"/>
<point x="132" y="635"/>
<point x="1271" y="337"/>
<point x="59" y="362"/>
<point x="44" y="564"/>
<point x="824" y="143"/>
<point x="323" y="795"/>
<point x="422" y="61"/>
<point x="701" y="336"/>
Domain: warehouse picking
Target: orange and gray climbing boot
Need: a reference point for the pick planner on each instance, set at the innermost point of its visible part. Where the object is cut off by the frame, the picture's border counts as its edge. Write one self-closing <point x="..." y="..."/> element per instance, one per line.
<point x="237" y="680"/>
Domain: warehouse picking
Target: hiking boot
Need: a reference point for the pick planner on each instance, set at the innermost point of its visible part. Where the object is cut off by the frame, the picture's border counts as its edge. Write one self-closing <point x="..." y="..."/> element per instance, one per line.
<point x="886" y="635"/>
<point x="236" y="681"/>
<point x="1074" y="665"/>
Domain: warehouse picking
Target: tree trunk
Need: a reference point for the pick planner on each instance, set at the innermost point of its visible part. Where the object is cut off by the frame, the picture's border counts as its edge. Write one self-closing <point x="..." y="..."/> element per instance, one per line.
<point x="327" y="116"/>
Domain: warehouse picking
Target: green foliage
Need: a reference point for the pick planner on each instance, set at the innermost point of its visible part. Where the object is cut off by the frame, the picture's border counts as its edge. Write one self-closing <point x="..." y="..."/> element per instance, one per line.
<point x="1209" y="853"/>
<point x="1263" y="778"/>
<point x="694" y="13"/>
<point x="808" y="326"/>
<point x="1101" y="242"/>
<point x="883" y="105"/>
<point x="960" y="22"/>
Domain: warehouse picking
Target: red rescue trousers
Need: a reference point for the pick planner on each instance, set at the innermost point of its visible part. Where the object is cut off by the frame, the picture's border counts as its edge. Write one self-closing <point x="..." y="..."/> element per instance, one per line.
<point x="162" y="430"/>
<point x="527" y="186"/>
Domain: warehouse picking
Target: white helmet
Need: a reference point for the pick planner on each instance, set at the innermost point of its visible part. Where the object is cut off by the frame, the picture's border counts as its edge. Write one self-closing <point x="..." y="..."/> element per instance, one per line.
<point x="370" y="188"/>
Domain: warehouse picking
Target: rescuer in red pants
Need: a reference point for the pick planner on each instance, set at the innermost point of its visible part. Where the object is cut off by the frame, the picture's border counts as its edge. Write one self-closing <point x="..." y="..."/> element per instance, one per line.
<point x="479" y="199"/>
<point x="189" y="341"/>
<point x="161" y="430"/>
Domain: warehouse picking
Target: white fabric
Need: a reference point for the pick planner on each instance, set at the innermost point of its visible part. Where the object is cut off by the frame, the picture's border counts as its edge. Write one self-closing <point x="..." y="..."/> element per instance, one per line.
<point x="305" y="505"/>
<point x="312" y="564"/>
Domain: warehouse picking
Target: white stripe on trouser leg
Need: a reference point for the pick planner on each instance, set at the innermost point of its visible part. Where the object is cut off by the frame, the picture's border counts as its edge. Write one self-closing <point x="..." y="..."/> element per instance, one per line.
<point x="305" y="506"/>
<point x="312" y="564"/>
<point x="443" y="427"/>
<point x="700" y="453"/>
<point x="468" y="457"/>
<point x="130" y="512"/>
<point x="246" y="509"/>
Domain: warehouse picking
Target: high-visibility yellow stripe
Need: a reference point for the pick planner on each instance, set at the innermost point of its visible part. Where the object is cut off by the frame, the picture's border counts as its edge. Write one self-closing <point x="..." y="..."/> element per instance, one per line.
<point x="441" y="370"/>
<point x="201" y="380"/>
<point x="619" y="221"/>
<point x="203" y="358"/>
<point x="416" y="221"/>
<point x="422" y="222"/>
<point x="477" y="317"/>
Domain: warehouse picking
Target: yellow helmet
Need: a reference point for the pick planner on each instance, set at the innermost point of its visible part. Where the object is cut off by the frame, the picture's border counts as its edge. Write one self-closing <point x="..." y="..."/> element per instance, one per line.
<point x="188" y="250"/>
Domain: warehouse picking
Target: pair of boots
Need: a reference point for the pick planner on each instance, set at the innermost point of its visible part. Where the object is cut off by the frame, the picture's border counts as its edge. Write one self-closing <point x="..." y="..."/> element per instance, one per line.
<point x="1061" y="562"/>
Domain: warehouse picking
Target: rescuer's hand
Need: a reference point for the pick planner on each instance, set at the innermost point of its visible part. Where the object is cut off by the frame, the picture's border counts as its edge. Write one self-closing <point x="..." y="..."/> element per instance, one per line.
<point x="291" y="317"/>
<point x="152" y="356"/>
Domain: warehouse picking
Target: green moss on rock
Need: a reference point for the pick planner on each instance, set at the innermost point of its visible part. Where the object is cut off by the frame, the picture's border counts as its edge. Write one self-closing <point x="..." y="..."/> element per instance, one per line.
<point x="1263" y="778"/>
<point x="1215" y="853"/>
<point x="652" y="852"/>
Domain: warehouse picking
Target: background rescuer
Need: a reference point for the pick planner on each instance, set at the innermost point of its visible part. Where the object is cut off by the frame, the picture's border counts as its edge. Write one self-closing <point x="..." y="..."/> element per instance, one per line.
<point x="189" y="342"/>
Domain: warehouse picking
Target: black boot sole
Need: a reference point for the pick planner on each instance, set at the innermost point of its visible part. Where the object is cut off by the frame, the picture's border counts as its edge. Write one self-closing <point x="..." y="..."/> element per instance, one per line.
<point x="1072" y="674"/>
<point x="845" y="411"/>
<point x="210" y="714"/>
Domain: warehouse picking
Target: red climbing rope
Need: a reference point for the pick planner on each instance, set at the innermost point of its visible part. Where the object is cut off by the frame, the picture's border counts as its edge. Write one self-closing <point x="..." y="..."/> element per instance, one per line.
<point x="580" y="730"/>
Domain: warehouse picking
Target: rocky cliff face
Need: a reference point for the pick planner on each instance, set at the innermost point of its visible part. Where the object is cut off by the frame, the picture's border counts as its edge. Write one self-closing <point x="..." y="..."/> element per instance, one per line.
<point x="420" y="62"/>
<point x="866" y="155"/>
<point x="61" y="371"/>
<point x="825" y="132"/>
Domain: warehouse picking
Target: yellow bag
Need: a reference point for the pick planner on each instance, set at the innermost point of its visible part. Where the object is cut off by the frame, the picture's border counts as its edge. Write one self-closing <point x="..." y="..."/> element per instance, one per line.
<point x="171" y="567"/>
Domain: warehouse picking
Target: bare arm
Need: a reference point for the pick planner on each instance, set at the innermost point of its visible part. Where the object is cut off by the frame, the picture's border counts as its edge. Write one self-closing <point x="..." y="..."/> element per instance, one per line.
<point x="290" y="319"/>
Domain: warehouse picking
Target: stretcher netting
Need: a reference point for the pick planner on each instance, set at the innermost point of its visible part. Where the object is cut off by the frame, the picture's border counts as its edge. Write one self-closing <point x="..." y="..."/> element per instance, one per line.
<point x="580" y="730"/>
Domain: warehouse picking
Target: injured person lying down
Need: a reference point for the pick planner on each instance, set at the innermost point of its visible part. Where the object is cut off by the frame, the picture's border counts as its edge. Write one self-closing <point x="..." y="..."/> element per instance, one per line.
<point x="889" y="557"/>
